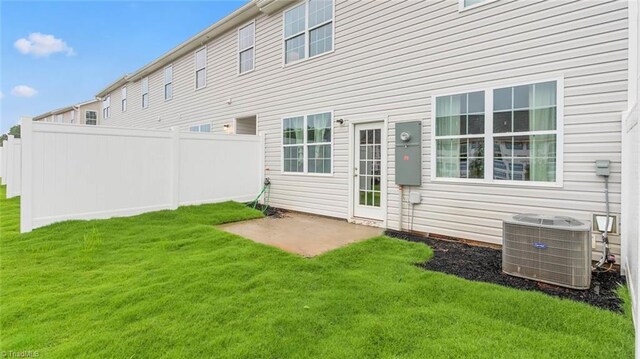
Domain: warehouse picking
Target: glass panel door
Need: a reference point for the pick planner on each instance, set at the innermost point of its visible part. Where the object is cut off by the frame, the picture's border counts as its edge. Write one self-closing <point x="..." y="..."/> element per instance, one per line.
<point x="368" y="171"/>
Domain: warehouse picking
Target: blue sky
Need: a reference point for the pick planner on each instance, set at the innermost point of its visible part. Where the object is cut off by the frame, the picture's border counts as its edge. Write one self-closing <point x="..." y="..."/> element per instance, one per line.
<point x="92" y="44"/>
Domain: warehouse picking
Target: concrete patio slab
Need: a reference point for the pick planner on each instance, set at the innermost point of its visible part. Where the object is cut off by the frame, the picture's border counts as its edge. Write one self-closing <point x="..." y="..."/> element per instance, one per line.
<point x="304" y="234"/>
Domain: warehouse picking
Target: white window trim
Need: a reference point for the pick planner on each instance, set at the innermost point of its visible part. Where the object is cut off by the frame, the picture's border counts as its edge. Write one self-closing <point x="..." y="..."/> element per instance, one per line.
<point x="143" y="93"/>
<point x="123" y="99"/>
<point x="462" y="8"/>
<point x="164" y="80"/>
<point x="306" y="32"/>
<point x="305" y="156"/>
<point x="196" y="69"/>
<point x="488" y="134"/>
<point x="253" y="46"/>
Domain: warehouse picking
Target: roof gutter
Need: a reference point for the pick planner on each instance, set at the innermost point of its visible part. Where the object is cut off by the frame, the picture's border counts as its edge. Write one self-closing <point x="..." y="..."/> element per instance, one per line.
<point x="114" y="85"/>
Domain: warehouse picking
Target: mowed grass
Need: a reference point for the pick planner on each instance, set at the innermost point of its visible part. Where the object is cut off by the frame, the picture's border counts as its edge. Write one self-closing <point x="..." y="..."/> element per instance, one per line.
<point x="169" y="284"/>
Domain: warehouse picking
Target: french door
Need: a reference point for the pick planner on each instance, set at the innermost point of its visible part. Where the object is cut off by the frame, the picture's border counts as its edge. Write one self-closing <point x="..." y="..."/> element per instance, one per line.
<point x="369" y="195"/>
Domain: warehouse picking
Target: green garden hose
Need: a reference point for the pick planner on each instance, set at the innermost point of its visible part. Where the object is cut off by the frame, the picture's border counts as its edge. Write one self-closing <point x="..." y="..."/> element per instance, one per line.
<point x="266" y="191"/>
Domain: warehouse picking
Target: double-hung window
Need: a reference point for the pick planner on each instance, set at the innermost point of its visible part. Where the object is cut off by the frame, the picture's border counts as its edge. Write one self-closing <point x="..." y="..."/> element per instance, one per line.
<point x="307" y="143"/>
<point x="246" y="43"/>
<point x="168" y="82"/>
<point x="525" y="132"/>
<point x="201" y="68"/>
<point x="90" y="117"/>
<point x="73" y="116"/>
<point x="106" y="107"/>
<point x="460" y="135"/>
<point x="308" y="30"/>
<point x="123" y="99"/>
<point x="145" y="92"/>
<point x="515" y="139"/>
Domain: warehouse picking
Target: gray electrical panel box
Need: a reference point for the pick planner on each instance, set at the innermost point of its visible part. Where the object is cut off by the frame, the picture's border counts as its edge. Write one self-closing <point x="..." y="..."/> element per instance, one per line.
<point x="602" y="167"/>
<point x="409" y="153"/>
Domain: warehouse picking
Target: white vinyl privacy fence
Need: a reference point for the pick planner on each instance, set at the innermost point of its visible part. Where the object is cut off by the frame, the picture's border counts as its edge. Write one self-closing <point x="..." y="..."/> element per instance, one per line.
<point x="11" y="162"/>
<point x="87" y="172"/>
<point x="3" y="163"/>
<point x="631" y="208"/>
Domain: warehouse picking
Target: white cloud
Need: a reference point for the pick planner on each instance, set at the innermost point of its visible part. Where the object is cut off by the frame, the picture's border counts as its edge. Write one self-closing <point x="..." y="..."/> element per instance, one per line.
<point x="23" y="91"/>
<point x="39" y="45"/>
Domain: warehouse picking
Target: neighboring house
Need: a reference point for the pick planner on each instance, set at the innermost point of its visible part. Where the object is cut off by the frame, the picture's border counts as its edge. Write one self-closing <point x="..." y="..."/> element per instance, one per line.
<point x="516" y="100"/>
<point x="84" y="113"/>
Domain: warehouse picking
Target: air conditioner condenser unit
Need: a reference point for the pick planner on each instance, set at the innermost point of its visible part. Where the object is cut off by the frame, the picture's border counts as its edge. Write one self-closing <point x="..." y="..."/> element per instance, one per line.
<point x="550" y="249"/>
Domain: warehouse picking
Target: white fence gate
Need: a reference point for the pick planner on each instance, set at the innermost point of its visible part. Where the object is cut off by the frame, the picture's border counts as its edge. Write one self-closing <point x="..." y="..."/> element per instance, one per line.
<point x="13" y="166"/>
<point x="87" y="172"/>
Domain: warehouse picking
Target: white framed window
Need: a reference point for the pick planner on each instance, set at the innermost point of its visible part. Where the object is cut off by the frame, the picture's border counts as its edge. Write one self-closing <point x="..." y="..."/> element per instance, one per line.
<point x="204" y="127"/>
<point x="145" y="92"/>
<point x="201" y="68"/>
<point x="308" y="30"/>
<point x="123" y="99"/>
<point x="307" y="144"/>
<point x="246" y="45"/>
<point x="460" y="135"/>
<point x="59" y="118"/>
<point x="90" y="117"/>
<point x="168" y="82"/>
<point x="106" y="107"/>
<point x="73" y="116"/>
<point x="502" y="134"/>
<point x="470" y="4"/>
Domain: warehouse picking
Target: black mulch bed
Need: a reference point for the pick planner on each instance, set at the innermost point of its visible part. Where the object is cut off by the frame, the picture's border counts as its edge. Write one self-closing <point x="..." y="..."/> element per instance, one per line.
<point x="270" y="212"/>
<point x="485" y="265"/>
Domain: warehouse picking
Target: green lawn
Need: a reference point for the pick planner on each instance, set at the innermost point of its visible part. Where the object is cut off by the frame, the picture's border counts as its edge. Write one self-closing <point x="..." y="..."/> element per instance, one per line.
<point x="169" y="284"/>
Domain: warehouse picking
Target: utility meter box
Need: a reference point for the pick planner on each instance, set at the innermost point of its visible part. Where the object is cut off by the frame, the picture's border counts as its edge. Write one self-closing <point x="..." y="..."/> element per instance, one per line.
<point x="409" y="153"/>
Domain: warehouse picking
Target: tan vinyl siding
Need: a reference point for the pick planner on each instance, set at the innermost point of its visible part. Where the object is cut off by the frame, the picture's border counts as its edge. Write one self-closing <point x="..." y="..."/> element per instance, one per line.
<point x="390" y="58"/>
<point x="92" y="106"/>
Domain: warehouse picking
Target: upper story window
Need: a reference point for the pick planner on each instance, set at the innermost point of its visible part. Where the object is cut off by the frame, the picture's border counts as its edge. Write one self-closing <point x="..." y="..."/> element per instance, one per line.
<point x="123" y="99"/>
<point x="308" y="30"/>
<point x="73" y="116"/>
<point x="90" y="117"/>
<point x="168" y="82"/>
<point x="201" y="68"/>
<point x="145" y="92"/>
<point x="106" y="107"/>
<point x="307" y="144"/>
<point x="246" y="41"/>
<point x="515" y="139"/>
<point x="59" y="118"/>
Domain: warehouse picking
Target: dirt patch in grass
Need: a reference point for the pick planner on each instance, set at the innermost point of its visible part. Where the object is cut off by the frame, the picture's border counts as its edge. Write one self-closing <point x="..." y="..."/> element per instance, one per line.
<point x="485" y="265"/>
